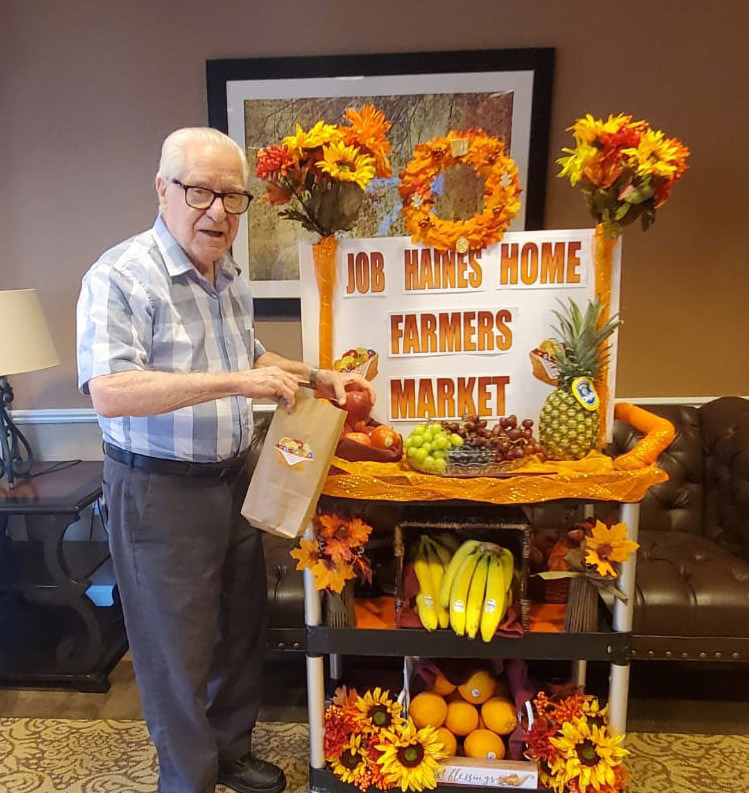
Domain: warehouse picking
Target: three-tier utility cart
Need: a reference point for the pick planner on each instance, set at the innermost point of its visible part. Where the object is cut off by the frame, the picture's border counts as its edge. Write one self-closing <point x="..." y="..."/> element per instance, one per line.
<point x="612" y="644"/>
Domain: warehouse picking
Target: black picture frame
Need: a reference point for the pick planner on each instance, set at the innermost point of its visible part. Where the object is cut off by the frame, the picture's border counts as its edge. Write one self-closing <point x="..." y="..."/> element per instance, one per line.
<point x="539" y="61"/>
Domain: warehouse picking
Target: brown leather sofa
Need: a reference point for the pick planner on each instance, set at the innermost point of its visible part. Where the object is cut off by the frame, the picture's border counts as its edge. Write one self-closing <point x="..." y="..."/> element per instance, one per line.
<point x="693" y="564"/>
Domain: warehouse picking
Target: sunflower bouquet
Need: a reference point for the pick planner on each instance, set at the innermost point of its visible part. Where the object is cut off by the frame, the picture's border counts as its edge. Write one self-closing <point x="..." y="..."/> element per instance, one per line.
<point x="625" y="168"/>
<point x="589" y="552"/>
<point x="319" y="175"/>
<point x="336" y="554"/>
<point x="575" y="750"/>
<point x="369" y="743"/>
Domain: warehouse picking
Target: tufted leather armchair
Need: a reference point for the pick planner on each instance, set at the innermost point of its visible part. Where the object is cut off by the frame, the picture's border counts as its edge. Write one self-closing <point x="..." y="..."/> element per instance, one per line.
<point x="285" y="587"/>
<point x="692" y="586"/>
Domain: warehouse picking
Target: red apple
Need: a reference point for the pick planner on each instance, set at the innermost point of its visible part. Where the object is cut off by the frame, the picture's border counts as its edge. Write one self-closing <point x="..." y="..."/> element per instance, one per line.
<point x="359" y="437"/>
<point x="357" y="405"/>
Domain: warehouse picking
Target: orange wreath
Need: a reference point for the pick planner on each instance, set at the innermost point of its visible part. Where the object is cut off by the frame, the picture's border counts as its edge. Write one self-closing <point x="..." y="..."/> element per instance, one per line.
<point x="486" y="156"/>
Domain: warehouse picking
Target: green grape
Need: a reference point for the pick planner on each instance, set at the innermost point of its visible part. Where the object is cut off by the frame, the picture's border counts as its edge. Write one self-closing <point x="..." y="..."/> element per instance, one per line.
<point x="428" y="446"/>
<point x="441" y="442"/>
<point x="416" y="440"/>
<point x="421" y="455"/>
<point x="412" y="452"/>
<point x="419" y="429"/>
<point x="439" y="454"/>
<point x="456" y="440"/>
<point x="440" y="466"/>
<point x="407" y="442"/>
<point x="428" y="463"/>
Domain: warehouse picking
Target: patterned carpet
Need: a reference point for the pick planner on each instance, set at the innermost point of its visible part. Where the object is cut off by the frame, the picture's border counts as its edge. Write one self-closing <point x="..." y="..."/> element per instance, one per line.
<point x="108" y="756"/>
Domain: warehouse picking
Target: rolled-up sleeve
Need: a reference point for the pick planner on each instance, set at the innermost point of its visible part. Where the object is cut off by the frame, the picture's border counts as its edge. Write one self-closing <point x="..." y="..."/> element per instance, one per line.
<point x="114" y="324"/>
<point x="259" y="350"/>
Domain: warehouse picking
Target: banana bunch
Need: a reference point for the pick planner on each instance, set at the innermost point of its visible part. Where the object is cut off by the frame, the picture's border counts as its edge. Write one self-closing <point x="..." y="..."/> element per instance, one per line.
<point x="476" y="588"/>
<point x="432" y="556"/>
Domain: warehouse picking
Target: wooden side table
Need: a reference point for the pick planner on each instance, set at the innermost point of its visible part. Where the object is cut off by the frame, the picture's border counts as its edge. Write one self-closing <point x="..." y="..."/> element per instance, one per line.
<point x="51" y="632"/>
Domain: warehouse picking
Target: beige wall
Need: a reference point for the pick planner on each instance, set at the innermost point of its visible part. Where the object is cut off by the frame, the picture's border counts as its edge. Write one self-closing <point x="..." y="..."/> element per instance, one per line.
<point x="89" y="90"/>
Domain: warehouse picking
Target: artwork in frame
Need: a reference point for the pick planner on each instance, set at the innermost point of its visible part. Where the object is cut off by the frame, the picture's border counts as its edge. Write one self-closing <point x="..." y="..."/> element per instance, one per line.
<point x="259" y="101"/>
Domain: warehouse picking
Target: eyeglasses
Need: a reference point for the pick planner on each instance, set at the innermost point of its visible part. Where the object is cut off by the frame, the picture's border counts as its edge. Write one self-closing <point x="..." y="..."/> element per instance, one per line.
<point x="202" y="198"/>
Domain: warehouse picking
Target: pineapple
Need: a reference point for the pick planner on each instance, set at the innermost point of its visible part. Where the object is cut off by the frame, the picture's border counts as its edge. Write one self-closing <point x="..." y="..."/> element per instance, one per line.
<point x="567" y="429"/>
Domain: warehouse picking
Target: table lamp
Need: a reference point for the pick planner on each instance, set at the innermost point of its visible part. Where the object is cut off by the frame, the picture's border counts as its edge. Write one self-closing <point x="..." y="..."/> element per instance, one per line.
<point x="25" y="346"/>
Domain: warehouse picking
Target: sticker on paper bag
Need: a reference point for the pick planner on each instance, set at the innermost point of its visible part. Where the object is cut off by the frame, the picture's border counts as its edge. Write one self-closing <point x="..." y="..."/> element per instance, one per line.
<point x="294" y="451"/>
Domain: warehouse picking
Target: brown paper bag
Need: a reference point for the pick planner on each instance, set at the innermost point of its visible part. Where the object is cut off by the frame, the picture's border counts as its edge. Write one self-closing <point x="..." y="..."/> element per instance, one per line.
<point x="292" y="466"/>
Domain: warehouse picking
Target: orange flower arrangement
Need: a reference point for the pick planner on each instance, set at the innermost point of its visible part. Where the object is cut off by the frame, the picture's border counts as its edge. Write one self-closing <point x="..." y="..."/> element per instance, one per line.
<point x="486" y="156"/>
<point x="336" y="555"/>
<point x="369" y="743"/>
<point x="625" y="169"/>
<point x="571" y="741"/>
<point x="319" y="175"/>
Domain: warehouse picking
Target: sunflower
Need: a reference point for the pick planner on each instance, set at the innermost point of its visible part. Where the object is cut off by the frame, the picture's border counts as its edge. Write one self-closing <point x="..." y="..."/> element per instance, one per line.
<point x="368" y="130"/>
<point x="590" y="130"/>
<point x="594" y="713"/>
<point x="377" y="710"/>
<point x="319" y="135"/>
<point x="410" y="757"/>
<point x="656" y="155"/>
<point x="607" y="545"/>
<point x="351" y="764"/>
<point x="347" y="164"/>
<point x="588" y="754"/>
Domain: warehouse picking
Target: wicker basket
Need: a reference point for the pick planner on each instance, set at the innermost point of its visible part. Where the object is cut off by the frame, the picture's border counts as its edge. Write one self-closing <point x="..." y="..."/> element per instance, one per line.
<point x="339" y="608"/>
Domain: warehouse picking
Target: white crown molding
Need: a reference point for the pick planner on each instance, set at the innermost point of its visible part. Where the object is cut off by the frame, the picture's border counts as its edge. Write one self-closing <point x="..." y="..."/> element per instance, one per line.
<point x="88" y="416"/>
<point x="54" y="416"/>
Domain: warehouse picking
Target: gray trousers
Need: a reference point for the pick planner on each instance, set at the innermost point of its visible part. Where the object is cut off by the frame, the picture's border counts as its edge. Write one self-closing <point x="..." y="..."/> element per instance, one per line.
<point x="191" y="576"/>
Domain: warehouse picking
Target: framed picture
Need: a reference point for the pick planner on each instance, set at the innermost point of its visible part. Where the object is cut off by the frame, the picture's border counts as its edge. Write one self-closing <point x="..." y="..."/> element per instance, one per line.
<point x="259" y="101"/>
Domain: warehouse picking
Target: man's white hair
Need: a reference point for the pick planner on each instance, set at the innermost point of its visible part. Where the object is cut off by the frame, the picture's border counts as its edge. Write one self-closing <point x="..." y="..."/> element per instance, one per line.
<point x="174" y="150"/>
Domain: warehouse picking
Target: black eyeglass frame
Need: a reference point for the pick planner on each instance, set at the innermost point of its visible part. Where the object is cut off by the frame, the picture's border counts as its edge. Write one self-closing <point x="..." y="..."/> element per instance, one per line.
<point x="216" y="195"/>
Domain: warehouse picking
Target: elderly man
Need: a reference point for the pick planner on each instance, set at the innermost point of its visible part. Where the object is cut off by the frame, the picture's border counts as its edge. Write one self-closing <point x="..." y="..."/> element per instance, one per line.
<point x="168" y="353"/>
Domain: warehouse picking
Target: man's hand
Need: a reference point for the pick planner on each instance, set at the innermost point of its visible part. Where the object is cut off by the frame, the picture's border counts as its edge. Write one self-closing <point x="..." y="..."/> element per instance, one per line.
<point x="270" y="382"/>
<point x="334" y="385"/>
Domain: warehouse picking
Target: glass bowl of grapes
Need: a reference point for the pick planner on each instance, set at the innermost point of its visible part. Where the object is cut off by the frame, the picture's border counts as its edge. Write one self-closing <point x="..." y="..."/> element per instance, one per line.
<point x="470" y="447"/>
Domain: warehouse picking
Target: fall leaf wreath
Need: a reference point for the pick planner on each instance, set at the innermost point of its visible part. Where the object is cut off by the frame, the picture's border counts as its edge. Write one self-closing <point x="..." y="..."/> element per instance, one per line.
<point x="487" y="157"/>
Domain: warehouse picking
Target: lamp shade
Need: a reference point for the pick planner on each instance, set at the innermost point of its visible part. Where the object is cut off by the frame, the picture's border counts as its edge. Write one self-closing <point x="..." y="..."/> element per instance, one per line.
<point x="25" y="341"/>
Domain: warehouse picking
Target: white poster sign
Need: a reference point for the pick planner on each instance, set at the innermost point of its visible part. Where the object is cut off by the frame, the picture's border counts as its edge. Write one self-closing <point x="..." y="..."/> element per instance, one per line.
<point x="454" y="333"/>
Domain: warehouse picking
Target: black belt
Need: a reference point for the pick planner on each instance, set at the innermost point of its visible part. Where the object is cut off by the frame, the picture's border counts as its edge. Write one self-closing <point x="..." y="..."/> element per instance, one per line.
<point x="158" y="465"/>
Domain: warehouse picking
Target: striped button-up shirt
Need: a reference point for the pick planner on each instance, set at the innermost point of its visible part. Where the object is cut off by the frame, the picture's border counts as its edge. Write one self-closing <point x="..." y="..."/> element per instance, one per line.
<point x="144" y="306"/>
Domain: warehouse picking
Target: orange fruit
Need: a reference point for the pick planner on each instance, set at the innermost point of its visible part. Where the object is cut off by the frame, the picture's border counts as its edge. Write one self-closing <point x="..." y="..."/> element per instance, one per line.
<point x="478" y="688"/>
<point x="499" y="715"/>
<point x="485" y="744"/>
<point x="428" y="710"/>
<point x="442" y="685"/>
<point x="448" y="741"/>
<point x="462" y="717"/>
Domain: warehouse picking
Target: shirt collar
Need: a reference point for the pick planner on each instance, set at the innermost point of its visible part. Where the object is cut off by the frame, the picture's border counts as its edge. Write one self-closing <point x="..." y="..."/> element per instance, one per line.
<point x="177" y="261"/>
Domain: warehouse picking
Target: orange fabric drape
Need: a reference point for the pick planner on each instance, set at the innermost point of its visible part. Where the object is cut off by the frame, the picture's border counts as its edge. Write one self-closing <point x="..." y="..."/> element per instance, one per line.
<point x="603" y="257"/>
<point x="594" y="477"/>
<point x="324" y="256"/>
